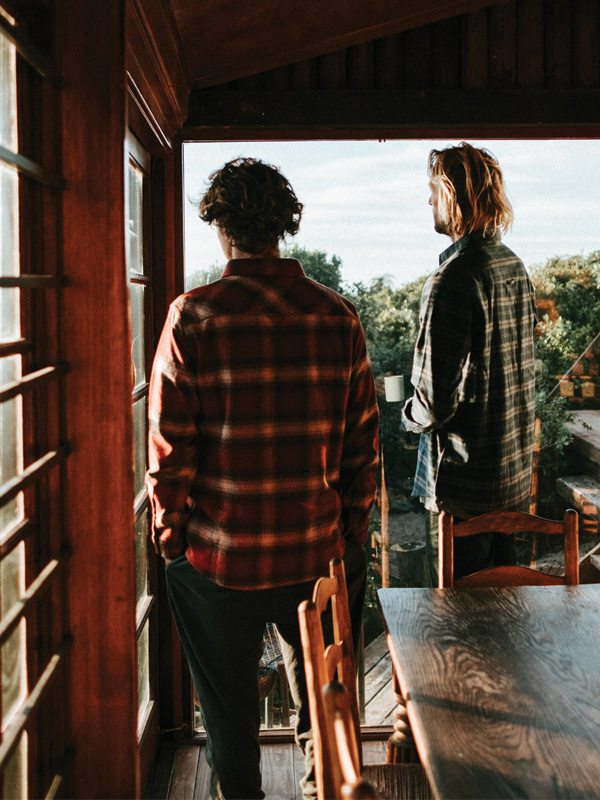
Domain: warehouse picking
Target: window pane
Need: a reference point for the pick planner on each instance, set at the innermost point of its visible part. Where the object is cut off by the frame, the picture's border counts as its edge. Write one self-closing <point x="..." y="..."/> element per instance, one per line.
<point x="139" y="445"/>
<point x="14" y="780"/>
<point x="11" y="436"/>
<point x="12" y="653"/>
<point x="9" y="261"/>
<point x="136" y="295"/>
<point x="8" y="96"/>
<point x="141" y="555"/>
<point x="9" y="251"/>
<point x="143" y="660"/>
<point x="135" y="248"/>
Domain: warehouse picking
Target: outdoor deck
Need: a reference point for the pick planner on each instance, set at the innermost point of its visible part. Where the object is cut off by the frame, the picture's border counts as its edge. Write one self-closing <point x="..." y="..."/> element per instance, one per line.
<point x="379" y="698"/>
<point x="278" y="709"/>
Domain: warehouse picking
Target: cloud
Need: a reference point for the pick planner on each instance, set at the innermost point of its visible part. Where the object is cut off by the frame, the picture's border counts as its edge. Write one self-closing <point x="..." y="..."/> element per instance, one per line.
<point x="367" y="201"/>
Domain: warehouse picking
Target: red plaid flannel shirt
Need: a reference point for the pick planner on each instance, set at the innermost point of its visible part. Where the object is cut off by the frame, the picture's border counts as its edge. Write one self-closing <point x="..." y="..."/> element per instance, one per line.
<point x="263" y="427"/>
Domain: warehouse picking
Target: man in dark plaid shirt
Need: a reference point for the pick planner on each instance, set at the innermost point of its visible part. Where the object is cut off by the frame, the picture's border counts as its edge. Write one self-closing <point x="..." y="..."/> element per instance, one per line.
<point x="473" y="370"/>
<point x="262" y="447"/>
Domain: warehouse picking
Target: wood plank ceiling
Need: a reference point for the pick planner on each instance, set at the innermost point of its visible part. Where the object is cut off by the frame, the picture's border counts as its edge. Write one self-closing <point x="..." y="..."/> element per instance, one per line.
<point x="228" y="39"/>
<point x="382" y="68"/>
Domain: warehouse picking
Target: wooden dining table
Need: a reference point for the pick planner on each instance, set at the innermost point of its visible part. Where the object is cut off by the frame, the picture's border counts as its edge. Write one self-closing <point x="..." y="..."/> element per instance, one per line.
<point x="502" y="687"/>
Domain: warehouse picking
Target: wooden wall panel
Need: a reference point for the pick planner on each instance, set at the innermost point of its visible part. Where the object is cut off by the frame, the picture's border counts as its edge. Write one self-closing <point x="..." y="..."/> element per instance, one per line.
<point x="446" y="53"/>
<point x="388" y="62"/>
<point x="526" y="47"/>
<point x="361" y="66"/>
<point x="96" y="336"/>
<point x="276" y="79"/>
<point x="332" y="71"/>
<point x="586" y="43"/>
<point x="474" y="64"/>
<point x="251" y="83"/>
<point x="502" y="42"/>
<point x="530" y="44"/>
<point x="416" y="65"/>
<point x="243" y="37"/>
<point x="304" y="74"/>
<point x="475" y="113"/>
<point x="155" y="63"/>
<point x="558" y="43"/>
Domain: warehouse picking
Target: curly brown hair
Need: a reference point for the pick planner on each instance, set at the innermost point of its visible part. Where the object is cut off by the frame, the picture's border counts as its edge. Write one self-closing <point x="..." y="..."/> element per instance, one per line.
<point x="253" y="203"/>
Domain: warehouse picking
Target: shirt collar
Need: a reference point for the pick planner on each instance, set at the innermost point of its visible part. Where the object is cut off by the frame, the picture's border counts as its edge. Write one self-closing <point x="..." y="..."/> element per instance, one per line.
<point x="263" y="266"/>
<point x="469" y="238"/>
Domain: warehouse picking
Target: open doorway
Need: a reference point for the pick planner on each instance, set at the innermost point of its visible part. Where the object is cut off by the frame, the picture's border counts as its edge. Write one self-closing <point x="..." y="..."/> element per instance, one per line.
<point x="367" y="232"/>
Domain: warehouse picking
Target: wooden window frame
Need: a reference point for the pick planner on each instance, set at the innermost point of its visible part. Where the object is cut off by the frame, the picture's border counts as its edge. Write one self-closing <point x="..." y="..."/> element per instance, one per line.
<point x="160" y="278"/>
<point x="43" y="605"/>
<point x="146" y="608"/>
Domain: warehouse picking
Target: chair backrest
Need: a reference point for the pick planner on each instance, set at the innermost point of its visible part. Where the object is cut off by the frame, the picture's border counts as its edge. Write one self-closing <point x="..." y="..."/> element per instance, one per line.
<point x="323" y="664"/>
<point x="508" y="523"/>
<point x="343" y="745"/>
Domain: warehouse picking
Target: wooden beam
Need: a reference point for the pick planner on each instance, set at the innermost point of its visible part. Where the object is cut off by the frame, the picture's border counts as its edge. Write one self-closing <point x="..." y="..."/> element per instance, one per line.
<point x="158" y="79"/>
<point x="508" y="113"/>
<point x="228" y="39"/>
<point x="98" y="514"/>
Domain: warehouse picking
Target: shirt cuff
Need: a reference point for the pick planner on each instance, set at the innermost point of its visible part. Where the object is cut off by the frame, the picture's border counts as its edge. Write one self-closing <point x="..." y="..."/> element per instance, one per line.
<point x="407" y="423"/>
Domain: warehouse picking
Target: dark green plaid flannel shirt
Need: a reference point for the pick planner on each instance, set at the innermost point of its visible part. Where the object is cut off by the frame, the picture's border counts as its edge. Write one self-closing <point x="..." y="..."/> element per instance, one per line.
<point x="473" y="378"/>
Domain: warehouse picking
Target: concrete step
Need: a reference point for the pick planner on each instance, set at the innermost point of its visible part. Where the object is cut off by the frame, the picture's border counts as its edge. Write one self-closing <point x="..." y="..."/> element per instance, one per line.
<point x="585" y="427"/>
<point x="589" y="566"/>
<point x="583" y="493"/>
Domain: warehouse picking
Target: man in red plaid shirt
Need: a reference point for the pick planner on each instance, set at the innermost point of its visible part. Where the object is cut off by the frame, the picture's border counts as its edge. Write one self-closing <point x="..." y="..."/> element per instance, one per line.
<point x="262" y="447"/>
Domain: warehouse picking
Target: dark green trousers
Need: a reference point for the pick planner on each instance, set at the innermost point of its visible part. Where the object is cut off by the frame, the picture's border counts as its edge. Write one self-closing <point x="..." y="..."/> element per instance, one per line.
<point x="221" y="632"/>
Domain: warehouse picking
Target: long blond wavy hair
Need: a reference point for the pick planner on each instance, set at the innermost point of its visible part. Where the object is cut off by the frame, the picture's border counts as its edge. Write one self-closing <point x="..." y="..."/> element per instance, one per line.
<point x="471" y="186"/>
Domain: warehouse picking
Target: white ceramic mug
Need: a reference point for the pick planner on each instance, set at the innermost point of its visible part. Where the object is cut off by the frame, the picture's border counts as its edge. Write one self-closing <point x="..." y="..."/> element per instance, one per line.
<point x="394" y="388"/>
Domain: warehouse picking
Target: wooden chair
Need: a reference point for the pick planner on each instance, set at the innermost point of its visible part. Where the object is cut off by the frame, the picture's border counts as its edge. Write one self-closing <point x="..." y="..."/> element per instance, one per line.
<point x="375" y="780"/>
<point x="336" y="662"/>
<point x="508" y="523"/>
<point x="343" y="745"/>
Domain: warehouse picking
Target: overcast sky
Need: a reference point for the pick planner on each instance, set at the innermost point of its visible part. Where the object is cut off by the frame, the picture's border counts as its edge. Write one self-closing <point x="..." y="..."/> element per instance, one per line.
<point x="366" y="202"/>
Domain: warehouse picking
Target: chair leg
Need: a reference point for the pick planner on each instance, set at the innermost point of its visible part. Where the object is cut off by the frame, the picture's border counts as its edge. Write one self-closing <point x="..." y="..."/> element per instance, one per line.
<point x="400" y="748"/>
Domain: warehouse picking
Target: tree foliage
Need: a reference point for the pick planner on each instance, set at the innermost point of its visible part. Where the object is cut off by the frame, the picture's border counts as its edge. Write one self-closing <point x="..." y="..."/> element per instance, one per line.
<point x="318" y="265"/>
<point x="390" y="318"/>
<point x="203" y="276"/>
<point x="570" y="286"/>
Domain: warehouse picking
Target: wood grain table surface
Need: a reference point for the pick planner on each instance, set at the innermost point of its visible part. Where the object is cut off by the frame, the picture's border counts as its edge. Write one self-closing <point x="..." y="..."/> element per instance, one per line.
<point x="502" y="687"/>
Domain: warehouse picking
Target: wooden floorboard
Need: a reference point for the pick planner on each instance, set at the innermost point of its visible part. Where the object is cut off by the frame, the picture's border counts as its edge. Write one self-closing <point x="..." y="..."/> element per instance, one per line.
<point x="160" y="775"/>
<point x="182" y="773"/>
<point x="202" y="789"/>
<point x="382" y="703"/>
<point x="185" y="773"/>
<point x="377" y="677"/>
<point x="278" y="773"/>
<point x="374" y="651"/>
<point x="379" y="697"/>
<point x="389" y="720"/>
<point x="298" y="757"/>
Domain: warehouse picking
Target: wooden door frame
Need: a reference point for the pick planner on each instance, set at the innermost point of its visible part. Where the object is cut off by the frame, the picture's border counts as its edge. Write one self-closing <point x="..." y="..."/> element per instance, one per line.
<point x="179" y="675"/>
